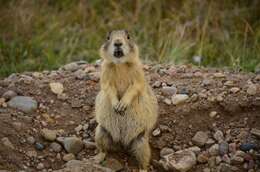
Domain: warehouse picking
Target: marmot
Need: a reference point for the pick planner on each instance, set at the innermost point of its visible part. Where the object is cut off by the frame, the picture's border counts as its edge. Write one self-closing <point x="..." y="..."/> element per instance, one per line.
<point x="126" y="107"/>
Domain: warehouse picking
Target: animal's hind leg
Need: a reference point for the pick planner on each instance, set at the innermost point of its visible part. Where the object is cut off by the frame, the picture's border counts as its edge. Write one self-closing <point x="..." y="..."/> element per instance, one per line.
<point x="103" y="142"/>
<point x="141" y="150"/>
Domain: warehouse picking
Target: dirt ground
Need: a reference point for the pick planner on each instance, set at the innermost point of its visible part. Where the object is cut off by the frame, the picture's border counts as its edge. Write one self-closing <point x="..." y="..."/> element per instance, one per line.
<point x="208" y="90"/>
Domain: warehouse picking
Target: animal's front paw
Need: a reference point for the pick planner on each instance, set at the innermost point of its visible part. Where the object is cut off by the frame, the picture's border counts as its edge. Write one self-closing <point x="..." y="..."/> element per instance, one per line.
<point x="121" y="107"/>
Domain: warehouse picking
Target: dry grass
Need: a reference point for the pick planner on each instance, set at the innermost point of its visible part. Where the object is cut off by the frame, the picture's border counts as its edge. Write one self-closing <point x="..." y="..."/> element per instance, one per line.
<point x="43" y="34"/>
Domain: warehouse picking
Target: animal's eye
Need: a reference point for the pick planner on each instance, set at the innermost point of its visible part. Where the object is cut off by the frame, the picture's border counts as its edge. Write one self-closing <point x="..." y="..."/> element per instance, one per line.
<point x="108" y="37"/>
<point x="128" y="37"/>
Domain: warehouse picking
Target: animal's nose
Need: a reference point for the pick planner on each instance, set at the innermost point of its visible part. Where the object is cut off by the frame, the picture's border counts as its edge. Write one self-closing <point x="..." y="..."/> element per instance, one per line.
<point x="117" y="44"/>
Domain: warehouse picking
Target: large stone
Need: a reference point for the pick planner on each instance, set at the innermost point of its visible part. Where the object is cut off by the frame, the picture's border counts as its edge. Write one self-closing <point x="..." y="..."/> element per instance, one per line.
<point x="23" y="103"/>
<point x="200" y="138"/>
<point x="166" y="151"/>
<point x="83" y="166"/>
<point x="73" y="144"/>
<point x="182" y="160"/>
<point x="179" y="98"/>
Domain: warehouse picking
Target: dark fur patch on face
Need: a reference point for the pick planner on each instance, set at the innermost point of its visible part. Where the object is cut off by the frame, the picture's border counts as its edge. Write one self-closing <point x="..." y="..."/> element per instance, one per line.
<point x="131" y="45"/>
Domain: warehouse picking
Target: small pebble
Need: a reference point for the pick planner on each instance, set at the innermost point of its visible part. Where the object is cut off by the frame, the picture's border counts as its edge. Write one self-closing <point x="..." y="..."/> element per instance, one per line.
<point x="40" y="166"/>
<point x="56" y="147"/>
<point x="156" y="132"/>
<point x="223" y="148"/>
<point x="68" y="157"/>
<point x="39" y="146"/>
<point x="212" y="114"/>
<point x="247" y="146"/>
<point x="30" y="140"/>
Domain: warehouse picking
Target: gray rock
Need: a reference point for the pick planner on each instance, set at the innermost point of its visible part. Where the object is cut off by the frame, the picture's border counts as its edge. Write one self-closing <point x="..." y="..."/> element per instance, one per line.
<point x="206" y="170"/>
<point x="6" y="142"/>
<point x="237" y="160"/>
<point x="182" y="160"/>
<point x="81" y="74"/>
<point x="200" y="138"/>
<point x="255" y="132"/>
<point x="78" y="128"/>
<point x="238" y="157"/>
<point x="31" y="153"/>
<point x="71" y="67"/>
<point x="30" y="140"/>
<point x="234" y="89"/>
<point x="89" y="144"/>
<point x="210" y="142"/>
<point x="73" y="145"/>
<point x="23" y="103"/>
<point x="214" y="150"/>
<point x="219" y="136"/>
<point x="223" y="148"/>
<point x="83" y="166"/>
<point x="179" y="98"/>
<point x="167" y="101"/>
<point x="195" y="149"/>
<point x="17" y="126"/>
<point x="252" y="89"/>
<point x="207" y="82"/>
<point x="40" y="166"/>
<point x="169" y="91"/>
<point x="156" y="84"/>
<point x="39" y="146"/>
<point x="49" y="135"/>
<point x="68" y="157"/>
<point x="56" y="147"/>
<point x="166" y="151"/>
<point x="212" y="114"/>
<point x="218" y="160"/>
<point x="9" y="95"/>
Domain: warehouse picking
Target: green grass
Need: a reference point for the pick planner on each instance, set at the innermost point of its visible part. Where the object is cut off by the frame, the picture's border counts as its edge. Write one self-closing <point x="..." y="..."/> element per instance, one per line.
<point x="44" y="34"/>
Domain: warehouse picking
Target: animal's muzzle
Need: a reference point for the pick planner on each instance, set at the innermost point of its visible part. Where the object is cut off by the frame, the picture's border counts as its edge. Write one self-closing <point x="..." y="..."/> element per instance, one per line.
<point x="118" y="53"/>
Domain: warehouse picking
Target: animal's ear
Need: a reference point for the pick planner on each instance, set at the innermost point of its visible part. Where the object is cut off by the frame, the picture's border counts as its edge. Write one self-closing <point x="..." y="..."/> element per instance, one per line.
<point x="108" y="35"/>
<point x="127" y="34"/>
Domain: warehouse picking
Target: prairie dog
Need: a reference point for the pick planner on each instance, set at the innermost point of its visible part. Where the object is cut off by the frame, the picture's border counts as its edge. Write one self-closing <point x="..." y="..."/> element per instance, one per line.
<point x="126" y="107"/>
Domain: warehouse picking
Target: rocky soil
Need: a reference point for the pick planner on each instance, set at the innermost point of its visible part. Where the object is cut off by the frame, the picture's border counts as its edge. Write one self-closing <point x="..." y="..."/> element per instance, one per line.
<point x="209" y="121"/>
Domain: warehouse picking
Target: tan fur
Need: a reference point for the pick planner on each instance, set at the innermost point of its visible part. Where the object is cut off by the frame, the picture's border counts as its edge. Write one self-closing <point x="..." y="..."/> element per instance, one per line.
<point x="126" y="108"/>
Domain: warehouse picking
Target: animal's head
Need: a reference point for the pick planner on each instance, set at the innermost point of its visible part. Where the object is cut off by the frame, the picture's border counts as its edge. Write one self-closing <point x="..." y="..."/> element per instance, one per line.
<point x="119" y="47"/>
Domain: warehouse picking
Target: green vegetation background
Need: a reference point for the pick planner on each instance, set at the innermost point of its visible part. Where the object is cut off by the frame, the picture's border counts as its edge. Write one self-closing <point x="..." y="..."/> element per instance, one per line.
<point x="44" y="34"/>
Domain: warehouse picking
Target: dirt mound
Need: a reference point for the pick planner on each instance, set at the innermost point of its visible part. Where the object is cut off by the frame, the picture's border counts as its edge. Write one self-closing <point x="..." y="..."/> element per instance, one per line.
<point x="223" y="105"/>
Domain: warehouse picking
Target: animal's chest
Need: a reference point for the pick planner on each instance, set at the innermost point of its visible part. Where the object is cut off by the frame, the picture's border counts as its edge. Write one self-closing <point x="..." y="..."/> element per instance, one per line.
<point x="122" y="81"/>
